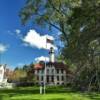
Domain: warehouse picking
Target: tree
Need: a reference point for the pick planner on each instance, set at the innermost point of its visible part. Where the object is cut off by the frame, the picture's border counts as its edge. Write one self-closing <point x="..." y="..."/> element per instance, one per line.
<point x="25" y="67"/>
<point x="18" y="74"/>
<point x="78" y="20"/>
<point x="79" y="23"/>
<point x="53" y="13"/>
<point x="83" y="38"/>
<point x="30" y="73"/>
<point x="24" y="74"/>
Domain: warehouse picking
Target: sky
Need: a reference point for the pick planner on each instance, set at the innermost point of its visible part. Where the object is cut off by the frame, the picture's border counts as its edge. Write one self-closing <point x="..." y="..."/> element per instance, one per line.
<point x="20" y="44"/>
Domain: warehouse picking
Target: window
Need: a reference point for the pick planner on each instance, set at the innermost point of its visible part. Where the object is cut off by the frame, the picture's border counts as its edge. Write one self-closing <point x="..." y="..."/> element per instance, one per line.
<point x="47" y="79"/>
<point x="38" y="71"/>
<point x="62" y="83"/>
<point x="52" y="78"/>
<point x="47" y="71"/>
<point x="42" y="71"/>
<point x="62" y="78"/>
<point x="41" y="78"/>
<point x="57" y="78"/>
<point x="57" y="71"/>
<point x="62" y="71"/>
<point x="52" y="71"/>
<point x="57" y="83"/>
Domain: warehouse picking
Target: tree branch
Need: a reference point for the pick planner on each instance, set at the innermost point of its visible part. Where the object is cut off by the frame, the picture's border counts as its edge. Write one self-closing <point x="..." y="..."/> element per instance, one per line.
<point x="58" y="10"/>
<point x="50" y="23"/>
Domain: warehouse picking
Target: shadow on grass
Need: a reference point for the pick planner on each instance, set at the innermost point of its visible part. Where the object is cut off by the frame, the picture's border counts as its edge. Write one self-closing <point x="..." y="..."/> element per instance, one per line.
<point x="30" y="91"/>
<point x="57" y="99"/>
<point x="26" y="99"/>
<point x="93" y="96"/>
<point x="40" y="99"/>
<point x="4" y="97"/>
<point x="8" y="93"/>
<point x="5" y="94"/>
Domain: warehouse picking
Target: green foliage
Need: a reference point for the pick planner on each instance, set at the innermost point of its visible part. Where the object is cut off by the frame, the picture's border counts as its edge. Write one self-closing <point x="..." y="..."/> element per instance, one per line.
<point x="84" y="44"/>
<point x="79" y="23"/>
<point x="23" y="74"/>
<point x="53" y="13"/>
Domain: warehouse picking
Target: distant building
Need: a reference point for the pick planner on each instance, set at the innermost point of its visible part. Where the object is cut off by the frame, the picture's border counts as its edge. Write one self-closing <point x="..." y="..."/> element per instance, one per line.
<point x="4" y="77"/>
<point x="55" y="72"/>
<point x="5" y="73"/>
<point x="2" y="70"/>
<point x="9" y="74"/>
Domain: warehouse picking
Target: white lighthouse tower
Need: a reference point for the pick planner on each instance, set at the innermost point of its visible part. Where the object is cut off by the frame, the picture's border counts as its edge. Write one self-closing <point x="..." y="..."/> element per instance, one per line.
<point x="52" y="55"/>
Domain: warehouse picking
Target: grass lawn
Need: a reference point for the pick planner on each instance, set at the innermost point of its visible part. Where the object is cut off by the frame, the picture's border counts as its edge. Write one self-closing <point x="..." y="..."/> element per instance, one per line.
<point x="55" y="93"/>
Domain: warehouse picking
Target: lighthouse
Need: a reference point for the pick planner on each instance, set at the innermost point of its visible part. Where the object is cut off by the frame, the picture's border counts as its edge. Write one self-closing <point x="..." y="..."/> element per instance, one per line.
<point x="52" y="55"/>
<point x="54" y="72"/>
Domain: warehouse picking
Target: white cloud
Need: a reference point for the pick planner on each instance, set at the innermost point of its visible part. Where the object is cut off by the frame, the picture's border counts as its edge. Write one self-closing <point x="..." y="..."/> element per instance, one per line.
<point x="42" y="58"/>
<point x="18" y="31"/>
<point x="10" y="32"/>
<point x="34" y="39"/>
<point x="3" y="48"/>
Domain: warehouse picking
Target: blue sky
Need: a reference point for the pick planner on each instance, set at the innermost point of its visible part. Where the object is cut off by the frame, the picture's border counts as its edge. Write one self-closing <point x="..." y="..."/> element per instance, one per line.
<point x="15" y="47"/>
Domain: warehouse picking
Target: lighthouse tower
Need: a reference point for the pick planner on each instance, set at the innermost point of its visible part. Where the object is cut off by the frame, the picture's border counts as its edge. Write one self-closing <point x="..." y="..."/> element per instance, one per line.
<point x="51" y="54"/>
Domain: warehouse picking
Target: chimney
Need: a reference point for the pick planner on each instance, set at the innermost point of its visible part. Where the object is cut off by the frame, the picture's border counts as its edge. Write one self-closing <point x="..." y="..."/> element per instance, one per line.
<point x="51" y="54"/>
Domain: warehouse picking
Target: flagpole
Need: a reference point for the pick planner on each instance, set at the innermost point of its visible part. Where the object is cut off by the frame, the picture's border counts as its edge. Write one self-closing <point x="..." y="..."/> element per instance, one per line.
<point x="45" y="71"/>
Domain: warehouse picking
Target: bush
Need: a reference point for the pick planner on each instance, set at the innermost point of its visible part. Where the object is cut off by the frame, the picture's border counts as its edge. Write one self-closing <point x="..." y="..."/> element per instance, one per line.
<point x="24" y="84"/>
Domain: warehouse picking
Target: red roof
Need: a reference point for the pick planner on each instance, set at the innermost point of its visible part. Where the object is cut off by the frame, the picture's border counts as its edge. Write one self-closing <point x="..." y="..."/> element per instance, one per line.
<point x="38" y="66"/>
<point x="58" y="65"/>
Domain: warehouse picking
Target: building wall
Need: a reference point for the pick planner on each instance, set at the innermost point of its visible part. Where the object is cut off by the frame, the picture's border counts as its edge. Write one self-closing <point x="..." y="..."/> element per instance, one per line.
<point x="53" y="76"/>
